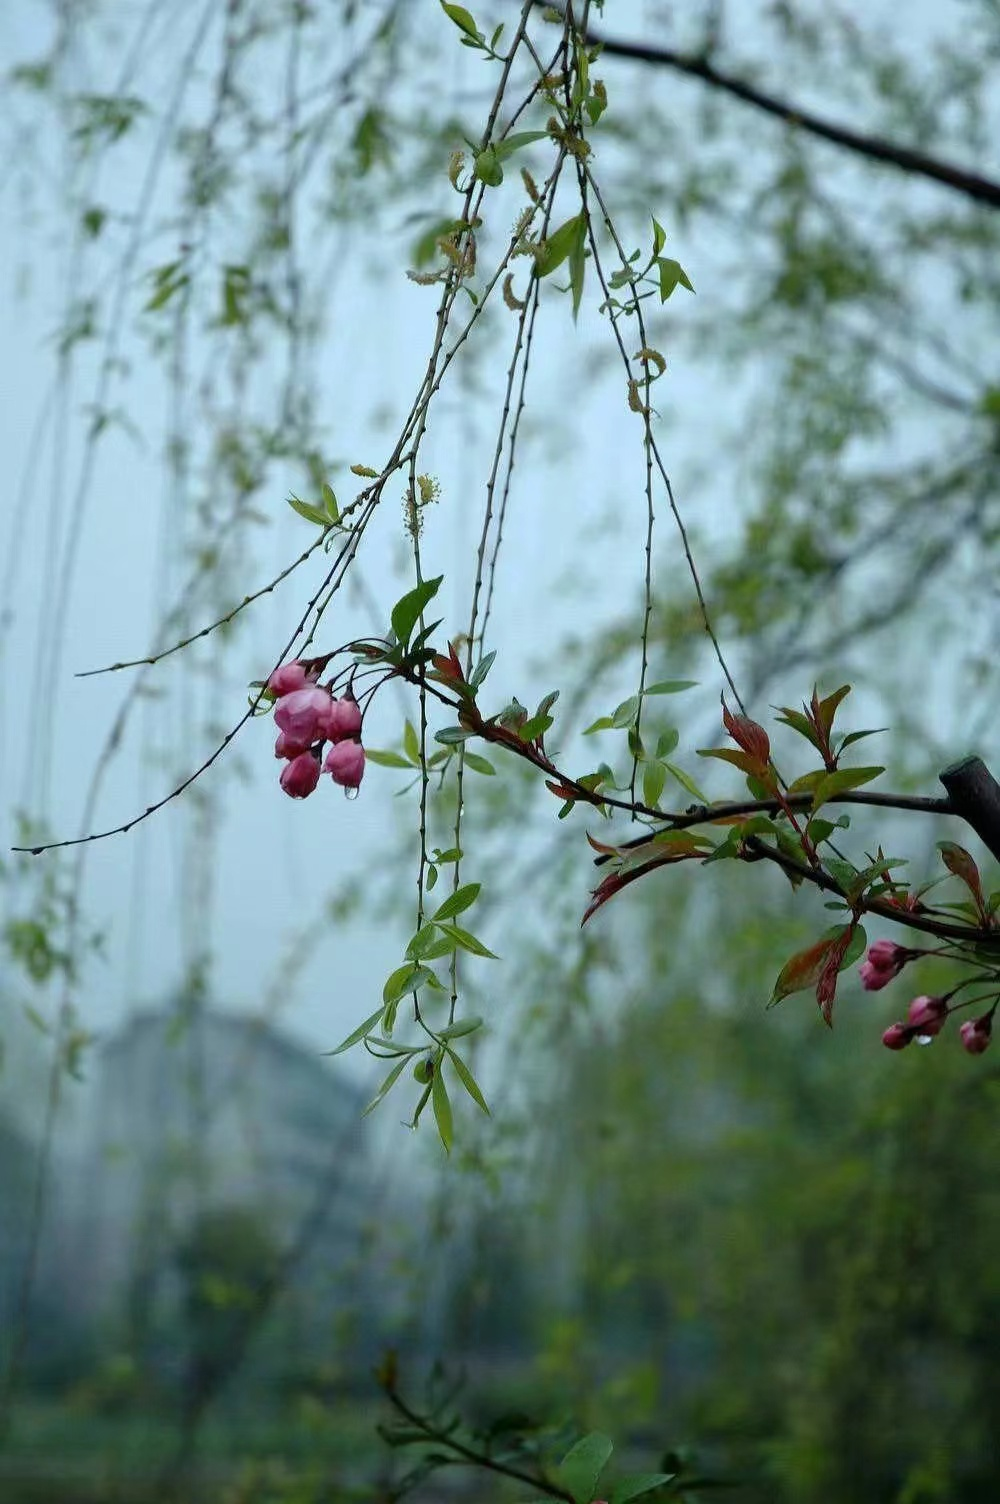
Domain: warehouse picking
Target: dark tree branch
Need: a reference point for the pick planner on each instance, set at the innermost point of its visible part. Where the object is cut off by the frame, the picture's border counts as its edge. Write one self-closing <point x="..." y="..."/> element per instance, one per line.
<point x="975" y="795"/>
<point x="875" y="148"/>
<point x="943" y="929"/>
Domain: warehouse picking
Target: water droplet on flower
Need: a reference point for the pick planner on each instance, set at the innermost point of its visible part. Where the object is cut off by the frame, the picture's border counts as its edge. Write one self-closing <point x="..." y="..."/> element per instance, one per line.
<point x="351" y="793"/>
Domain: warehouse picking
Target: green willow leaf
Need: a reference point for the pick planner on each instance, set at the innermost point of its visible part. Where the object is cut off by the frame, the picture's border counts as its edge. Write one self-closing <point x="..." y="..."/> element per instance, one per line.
<point x="468" y="1080"/>
<point x="442" y="1108"/>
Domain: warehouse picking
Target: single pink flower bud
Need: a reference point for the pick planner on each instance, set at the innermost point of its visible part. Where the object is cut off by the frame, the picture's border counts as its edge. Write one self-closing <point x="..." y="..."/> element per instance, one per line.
<point x="287" y="746"/>
<point x="897" y="1037"/>
<point x="287" y="678"/>
<point x="343" y="719"/>
<point x="302" y="714"/>
<point x="884" y="960"/>
<point x="300" y="776"/>
<point x="346" y="761"/>
<point x="975" y="1034"/>
<point x="927" y="1015"/>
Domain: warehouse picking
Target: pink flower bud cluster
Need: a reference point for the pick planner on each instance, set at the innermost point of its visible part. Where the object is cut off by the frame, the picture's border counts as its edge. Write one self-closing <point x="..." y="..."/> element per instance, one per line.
<point x="885" y="960"/>
<point x="307" y="716"/>
<point x="926" y="1016"/>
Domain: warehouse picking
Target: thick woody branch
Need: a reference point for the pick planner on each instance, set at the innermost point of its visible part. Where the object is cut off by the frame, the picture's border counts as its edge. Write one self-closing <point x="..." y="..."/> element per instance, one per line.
<point x="975" y="795"/>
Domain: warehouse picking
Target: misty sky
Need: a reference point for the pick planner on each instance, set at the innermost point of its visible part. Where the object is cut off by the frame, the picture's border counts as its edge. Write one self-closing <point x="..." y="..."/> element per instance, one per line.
<point x="273" y="862"/>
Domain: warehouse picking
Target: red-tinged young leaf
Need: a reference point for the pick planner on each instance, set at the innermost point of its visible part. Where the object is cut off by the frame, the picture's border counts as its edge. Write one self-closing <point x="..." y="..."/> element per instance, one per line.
<point x="826" y="982"/>
<point x="560" y="790"/>
<point x="742" y="760"/>
<point x="825" y="710"/>
<point x="749" y="735"/>
<point x="959" y="862"/>
<point x="669" y="846"/>
<point x="602" y="848"/>
<point x="802" y="970"/>
<point x="606" y="888"/>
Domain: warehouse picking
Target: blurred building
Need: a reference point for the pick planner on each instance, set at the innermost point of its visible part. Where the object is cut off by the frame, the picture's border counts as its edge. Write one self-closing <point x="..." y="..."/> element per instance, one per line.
<point x="224" y="1171"/>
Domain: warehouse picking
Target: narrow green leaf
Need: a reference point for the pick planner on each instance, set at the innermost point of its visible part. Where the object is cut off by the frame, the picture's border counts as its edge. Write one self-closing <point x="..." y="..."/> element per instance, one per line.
<point x="398" y="982"/>
<point x="686" y="782"/>
<point x="481" y="669"/>
<point x="626" y="713"/>
<point x="479" y="764"/>
<point x="468" y="1080"/>
<point x="462" y="19"/>
<point x="534" y="727"/>
<point x="452" y="735"/>
<point x="387" y="1084"/>
<point x="461" y="1028"/>
<point x="466" y="940"/>
<point x="667" y="741"/>
<point x="421" y="942"/>
<point x="554" y="250"/>
<point x="357" y="1034"/>
<point x="654" y="776"/>
<point x="310" y="513"/>
<point x="801" y="724"/>
<point x="407" y="610"/>
<point x="514" y="142"/>
<point x="442" y="1108"/>
<point x="841" y="781"/>
<point x="462" y="898"/>
<point x="443" y="946"/>
<point x="411" y="743"/>
<point x="670" y="686"/>
<point x="387" y="759"/>
<point x="578" y="268"/>
<point x="330" y="504"/>
<point x="857" y="736"/>
<point x="659" y="237"/>
<point x="603" y="723"/>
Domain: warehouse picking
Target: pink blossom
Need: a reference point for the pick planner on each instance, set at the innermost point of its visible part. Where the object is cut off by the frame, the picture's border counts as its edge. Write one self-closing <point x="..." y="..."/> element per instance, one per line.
<point x="287" y="678"/>
<point x="300" y="776"/>
<point x="884" y="960"/>
<point x="302" y="714"/>
<point x="287" y="746"/>
<point x="343" y="719"/>
<point x="346" y="761"/>
<point x="975" y="1034"/>
<point x="927" y="1015"/>
<point x="897" y="1037"/>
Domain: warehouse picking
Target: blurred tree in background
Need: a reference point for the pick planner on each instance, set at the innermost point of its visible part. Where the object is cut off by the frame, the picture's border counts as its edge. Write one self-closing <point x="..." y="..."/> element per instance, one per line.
<point x="686" y="1222"/>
